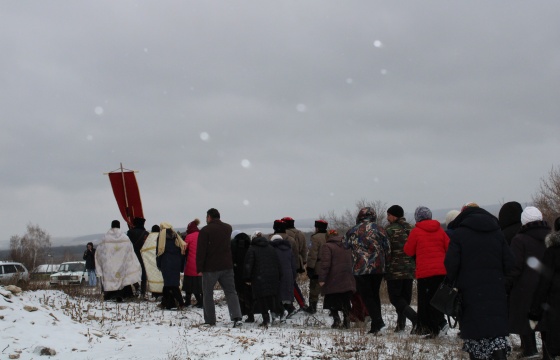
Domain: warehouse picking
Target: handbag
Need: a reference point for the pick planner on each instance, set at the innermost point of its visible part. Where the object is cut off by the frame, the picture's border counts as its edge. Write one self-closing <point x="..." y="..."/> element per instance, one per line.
<point x="447" y="300"/>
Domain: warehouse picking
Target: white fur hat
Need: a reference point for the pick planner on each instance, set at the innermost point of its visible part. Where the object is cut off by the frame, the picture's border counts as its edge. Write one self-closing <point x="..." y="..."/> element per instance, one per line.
<point x="529" y="214"/>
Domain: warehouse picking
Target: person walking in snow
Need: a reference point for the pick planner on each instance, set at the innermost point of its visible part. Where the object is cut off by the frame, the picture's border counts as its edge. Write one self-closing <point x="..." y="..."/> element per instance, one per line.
<point x="477" y="259"/>
<point x="428" y="243"/>
<point x="510" y="219"/>
<point x="116" y="263"/>
<point x="262" y="271"/>
<point x="214" y="261"/>
<point x="287" y="263"/>
<point x="522" y="281"/>
<point x="192" y="280"/>
<point x="279" y="227"/>
<point x="370" y="256"/>
<point x="318" y="239"/>
<point x="171" y="262"/>
<point x="400" y="270"/>
<point x="137" y="236"/>
<point x="239" y="246"/>
<point x="336" y="279"/>
<point x="545" y="308"/>
<point x="154" y="278"/>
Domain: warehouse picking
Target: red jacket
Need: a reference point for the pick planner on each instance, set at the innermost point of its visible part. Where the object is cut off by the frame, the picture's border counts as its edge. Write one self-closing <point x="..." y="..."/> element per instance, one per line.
<point x="190" y="266"/>
<point x="428" y="242"/>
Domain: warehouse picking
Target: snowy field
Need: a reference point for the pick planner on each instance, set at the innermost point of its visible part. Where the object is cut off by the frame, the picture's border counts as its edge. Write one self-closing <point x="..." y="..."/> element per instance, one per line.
<point x="78" y="325"/>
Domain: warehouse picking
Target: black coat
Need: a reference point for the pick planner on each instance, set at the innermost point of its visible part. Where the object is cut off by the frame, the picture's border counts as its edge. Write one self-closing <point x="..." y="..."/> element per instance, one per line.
<point x="546" y="300"/>
<point x="239" y="247"/>
<point x="171" y="262"/>
<point x="523" y="280"/>
<point x="288" y="269"/>
<point x="262" y="268"/>
<point x="478" y="258"/>
<point x="89" y="257"/>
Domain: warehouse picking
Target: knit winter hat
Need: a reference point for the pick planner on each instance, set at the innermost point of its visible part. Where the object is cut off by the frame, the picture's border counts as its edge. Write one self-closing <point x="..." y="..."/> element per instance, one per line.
<point x="234" y="233"/>
<point x="321" y="224"/>
<point x="366" y="213"/>
<point x="396" y="210"/>
<point x="451" y="216"/>
<point x="422" y="213"/>
<point x="256" y="234"/>
<point x="530" y="214"/>
<point x="276" y="237"/>
<point x="155" y="228"/>
<point x="193" y="226"/>
<point x="115" y="224"/>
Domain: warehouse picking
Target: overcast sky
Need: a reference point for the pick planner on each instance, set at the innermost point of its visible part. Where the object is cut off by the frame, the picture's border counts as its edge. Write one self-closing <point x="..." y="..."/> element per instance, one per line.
<point x="265" y="109"/>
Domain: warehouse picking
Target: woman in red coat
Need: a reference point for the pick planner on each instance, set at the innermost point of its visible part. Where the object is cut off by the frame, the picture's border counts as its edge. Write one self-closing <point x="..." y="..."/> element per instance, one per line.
<point x="428" y="243"/>
<point x="192" y="281"/>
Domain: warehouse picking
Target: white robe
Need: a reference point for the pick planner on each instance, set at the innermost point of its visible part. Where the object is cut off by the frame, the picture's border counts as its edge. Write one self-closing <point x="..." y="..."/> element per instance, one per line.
<point x="115" y="261"/>
<point x="155" y="278"/>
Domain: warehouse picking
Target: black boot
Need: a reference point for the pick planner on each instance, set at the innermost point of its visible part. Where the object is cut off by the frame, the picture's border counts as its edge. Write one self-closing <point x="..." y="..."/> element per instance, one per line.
<point x="411" y="315"/>
<point x="337" y="323"/>
<point x="266" y="320"/>
<point x="401" y="322"/>
<point x="529" y="344"/>
<point x="499" y="354"/>
<point x="250" y="318"/>
<point x="312" y="308"/>
<point x="346" y="321"/>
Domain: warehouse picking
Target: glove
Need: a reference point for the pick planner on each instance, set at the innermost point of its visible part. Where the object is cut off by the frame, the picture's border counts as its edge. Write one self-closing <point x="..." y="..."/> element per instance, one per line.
<point x="310" y="272"/>
<point x="533" y="324"/>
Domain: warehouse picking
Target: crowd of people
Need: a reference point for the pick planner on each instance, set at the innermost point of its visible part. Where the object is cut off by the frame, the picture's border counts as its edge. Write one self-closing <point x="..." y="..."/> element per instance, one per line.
<point x="506" y="269"/>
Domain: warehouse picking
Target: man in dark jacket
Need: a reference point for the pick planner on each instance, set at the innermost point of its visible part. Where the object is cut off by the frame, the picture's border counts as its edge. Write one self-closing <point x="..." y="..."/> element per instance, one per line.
<point x="89" y="257"/>
<point x="477" y="260"/>
<point x="137" y="236"/>
<point x="214" y="261"/>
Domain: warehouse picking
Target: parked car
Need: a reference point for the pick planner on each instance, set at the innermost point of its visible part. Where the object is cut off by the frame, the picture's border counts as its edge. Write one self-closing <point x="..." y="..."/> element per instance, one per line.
<point x="70" y="273"/>
<point x="44" y="271"/>
<point x="13" y="272"/>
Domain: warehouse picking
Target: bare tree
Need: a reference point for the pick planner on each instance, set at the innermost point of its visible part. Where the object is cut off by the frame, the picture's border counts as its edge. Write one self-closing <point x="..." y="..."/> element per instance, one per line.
<point x="547" y="198"/>
<point x="31" y="248"/>
<point x="347" y="219"/>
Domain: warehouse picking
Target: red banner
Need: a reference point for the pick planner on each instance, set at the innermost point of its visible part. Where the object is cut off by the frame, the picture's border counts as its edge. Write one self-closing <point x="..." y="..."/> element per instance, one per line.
<point x="127" y="195"/>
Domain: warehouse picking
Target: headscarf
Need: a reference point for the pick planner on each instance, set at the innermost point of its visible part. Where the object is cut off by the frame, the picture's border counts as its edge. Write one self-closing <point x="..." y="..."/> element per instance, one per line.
<point x="164" y="226"/>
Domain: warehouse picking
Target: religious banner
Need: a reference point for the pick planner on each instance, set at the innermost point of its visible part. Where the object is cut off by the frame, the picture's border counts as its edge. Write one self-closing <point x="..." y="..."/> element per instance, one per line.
<point x="127" y="194"/>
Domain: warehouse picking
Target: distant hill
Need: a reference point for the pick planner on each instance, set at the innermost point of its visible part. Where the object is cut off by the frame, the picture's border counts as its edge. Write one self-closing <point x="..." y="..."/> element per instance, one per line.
<point x="305" y="225"/>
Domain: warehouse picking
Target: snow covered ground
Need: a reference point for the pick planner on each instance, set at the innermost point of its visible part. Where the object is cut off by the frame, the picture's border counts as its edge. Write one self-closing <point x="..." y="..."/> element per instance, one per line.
<point x="83" y="327"/>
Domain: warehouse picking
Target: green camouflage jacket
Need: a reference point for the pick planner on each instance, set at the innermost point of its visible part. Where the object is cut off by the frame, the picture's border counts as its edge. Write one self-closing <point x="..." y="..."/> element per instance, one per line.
<point x="401" y="266"/>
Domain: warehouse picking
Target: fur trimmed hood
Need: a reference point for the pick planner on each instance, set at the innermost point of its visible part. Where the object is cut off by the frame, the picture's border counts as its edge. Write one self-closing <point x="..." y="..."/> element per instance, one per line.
<point x="552" y="239"/>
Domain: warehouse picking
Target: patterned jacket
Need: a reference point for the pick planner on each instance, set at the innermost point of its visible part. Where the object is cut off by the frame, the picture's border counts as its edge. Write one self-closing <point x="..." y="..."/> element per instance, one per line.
<point x="370" y="248"/>
<point x="401" y="265"/>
